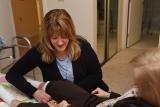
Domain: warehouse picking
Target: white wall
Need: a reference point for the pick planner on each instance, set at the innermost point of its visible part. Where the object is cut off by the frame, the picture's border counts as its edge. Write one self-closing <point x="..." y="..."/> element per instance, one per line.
<point x="84" y="14"/>
<point x="7" y="29"/>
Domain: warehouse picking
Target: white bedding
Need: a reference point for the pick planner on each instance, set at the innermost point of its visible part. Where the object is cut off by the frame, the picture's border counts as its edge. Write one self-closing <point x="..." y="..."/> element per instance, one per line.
<point x="13" y="91"/>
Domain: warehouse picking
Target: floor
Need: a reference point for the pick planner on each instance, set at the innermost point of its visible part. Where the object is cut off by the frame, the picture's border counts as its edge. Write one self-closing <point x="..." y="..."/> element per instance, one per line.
<point x="117" y="72"/>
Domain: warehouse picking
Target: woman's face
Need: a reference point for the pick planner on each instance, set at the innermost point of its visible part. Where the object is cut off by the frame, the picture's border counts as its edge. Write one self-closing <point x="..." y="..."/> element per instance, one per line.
<point x="136" y="74"/>
<point x="60" y="43"/>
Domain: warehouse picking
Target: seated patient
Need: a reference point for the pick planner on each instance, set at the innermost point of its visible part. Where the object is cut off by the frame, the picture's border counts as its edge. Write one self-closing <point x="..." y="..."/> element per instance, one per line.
<point x="146" y="67"/>
<point x="145" y="94"/>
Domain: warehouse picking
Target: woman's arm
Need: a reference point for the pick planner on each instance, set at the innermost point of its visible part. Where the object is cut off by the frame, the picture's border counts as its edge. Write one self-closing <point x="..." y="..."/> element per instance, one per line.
<point x="63" y="103"/>
<point x="16" y="74"/>
<point x="92" y="66"/>
<point x="101" y="93"/>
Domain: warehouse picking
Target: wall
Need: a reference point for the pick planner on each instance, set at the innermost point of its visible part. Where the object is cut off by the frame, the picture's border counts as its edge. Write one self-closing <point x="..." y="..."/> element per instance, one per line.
<point x="6" y="21"/>
<point x="122" y="23"/>
<point x="84" y="14"/>
<point x="7" y="29"/>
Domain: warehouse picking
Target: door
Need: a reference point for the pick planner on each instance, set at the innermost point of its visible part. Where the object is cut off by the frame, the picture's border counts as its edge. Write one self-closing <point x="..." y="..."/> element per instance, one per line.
<point x="107" y="29"/>
<point x="112" y="25"/>
<point x="27" y="19"/>
<point x="134" y="21"/>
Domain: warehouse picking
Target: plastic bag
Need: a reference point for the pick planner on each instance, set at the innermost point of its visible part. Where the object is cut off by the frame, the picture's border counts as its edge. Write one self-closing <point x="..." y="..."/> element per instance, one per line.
<point x="2" y="42"/>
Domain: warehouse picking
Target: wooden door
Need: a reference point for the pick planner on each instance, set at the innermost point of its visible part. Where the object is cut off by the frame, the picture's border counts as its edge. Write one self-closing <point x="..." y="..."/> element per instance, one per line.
<point x="27" y="19"/>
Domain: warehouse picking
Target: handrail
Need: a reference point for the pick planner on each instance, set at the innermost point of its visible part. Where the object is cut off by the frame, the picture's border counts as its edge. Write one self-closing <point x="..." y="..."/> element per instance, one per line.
<point x="22" y="38"/>
<point x="7" y="47"/>
<point x="13" y="47"/>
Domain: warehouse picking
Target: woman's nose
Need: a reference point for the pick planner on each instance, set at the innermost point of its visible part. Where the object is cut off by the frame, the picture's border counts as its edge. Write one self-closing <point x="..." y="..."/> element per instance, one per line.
<point x="59" y="41"/>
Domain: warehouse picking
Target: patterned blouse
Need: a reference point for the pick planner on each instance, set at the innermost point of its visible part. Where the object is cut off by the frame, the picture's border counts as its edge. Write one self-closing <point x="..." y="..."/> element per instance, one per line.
<point x="109" y="103"/>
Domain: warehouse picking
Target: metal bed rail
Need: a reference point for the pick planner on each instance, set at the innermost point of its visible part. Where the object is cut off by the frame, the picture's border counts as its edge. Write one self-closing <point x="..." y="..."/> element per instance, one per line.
<point x="13" y="57"/>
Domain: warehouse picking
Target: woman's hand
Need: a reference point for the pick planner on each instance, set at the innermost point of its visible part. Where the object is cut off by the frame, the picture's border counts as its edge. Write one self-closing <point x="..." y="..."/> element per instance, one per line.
<point x="100" y="93"/>
<point x="63" y="103"/>
<point x="52" y="103"/>
<point x="41" y="96"/>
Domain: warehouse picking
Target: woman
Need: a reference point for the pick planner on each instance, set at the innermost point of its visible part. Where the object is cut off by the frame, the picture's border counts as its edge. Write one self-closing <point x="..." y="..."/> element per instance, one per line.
<point x="145" y="94"/>
<point x="61" y="55"/>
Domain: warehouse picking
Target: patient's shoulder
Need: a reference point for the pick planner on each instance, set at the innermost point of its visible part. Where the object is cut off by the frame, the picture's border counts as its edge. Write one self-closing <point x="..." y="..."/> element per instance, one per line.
<point x="132" y="102"/>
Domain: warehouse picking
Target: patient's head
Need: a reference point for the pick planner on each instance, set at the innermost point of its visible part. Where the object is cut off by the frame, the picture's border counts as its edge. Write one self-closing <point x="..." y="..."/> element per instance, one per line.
<point x="147" y="75"/>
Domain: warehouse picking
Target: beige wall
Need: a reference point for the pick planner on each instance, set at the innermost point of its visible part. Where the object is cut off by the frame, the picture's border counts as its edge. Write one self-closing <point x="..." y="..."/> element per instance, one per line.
<point x="84" y="14"/>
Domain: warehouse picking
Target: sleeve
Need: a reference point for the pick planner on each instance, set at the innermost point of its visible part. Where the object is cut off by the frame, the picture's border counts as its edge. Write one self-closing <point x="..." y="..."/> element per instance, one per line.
<point x="16" y="74"/>
<point x="94" y="72"/>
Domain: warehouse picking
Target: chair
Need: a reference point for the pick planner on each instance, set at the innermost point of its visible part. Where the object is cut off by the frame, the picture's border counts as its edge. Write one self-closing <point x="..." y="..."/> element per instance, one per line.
<point x="24" y="43"/>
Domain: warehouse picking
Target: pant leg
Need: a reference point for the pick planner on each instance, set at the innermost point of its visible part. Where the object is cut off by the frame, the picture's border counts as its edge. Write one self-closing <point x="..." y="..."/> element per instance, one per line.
<point x="33" y="105"/>
<point x="65" y="90"/>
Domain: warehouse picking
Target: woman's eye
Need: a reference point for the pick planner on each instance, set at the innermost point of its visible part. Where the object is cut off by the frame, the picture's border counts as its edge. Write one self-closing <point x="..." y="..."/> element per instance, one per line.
<point x="64" y="36"/>
<point x="54" y="37"/>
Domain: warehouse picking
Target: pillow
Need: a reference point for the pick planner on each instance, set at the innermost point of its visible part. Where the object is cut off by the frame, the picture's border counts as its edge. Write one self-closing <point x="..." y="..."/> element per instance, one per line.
<point x="13" y="91"/>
